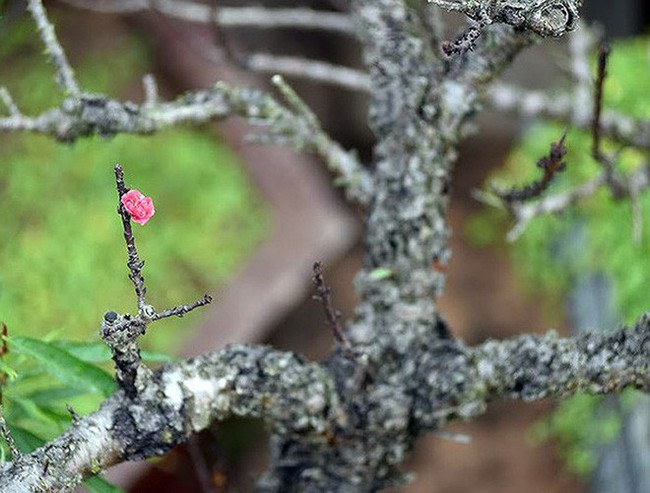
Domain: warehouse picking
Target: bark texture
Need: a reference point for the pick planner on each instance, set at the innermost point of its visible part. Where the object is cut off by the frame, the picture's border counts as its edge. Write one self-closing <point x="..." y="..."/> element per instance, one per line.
<point x="348" y="424"/>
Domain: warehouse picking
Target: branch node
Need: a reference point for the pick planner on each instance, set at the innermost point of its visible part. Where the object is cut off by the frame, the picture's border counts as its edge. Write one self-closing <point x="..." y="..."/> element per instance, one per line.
<point x="464" y="42"/>
<point x="76" y="417"/>
<point x="296" y="102"/>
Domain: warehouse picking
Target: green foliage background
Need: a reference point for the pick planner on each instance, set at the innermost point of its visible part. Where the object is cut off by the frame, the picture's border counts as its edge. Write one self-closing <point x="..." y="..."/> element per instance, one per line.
<point x="62" y="253"/>
<point x="594" y="236"/>
<point x="63" y="256"/>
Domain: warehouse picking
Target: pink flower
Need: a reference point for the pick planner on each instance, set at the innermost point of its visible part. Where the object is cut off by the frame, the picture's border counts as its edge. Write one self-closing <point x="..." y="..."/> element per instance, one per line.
<point x="140" y="207"/>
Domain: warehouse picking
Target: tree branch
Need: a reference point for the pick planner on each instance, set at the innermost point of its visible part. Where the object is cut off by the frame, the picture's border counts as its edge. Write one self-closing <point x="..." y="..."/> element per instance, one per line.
<point x="532" y="367"/>
<point x="305" y="68"/>
<point x="524" y="213"/>
<point x="552" y="18"/>
<point x="620" y="185"/>
<point x="256" y="17"/>
<point x="99" y="115"/>
<point x="560" y="107"/>
<point x="350" y="422"/>
<point x="295" y="398"/>
<point x="65" y="76"/>
<point x="300" y="400"/>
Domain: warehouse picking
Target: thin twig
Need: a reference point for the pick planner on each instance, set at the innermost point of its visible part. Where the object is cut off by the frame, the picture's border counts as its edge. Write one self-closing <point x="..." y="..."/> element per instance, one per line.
<point x="550" y="165"/>
<point x="181" y="310"/>
<point x="552" y="204"/>
<point x="134" y="263"/>
<point x="65" y="75"/>
<point x="613" y="180"/>
<point x="223" y="42"/>
<point x="620" y="185"/>
<point x="121" y="332"/>
<point x="638" y="181"/>
<point x="73" y="414"/>
<point x="296" y="102"/>
<point x="333" y="316"/>
<point x="8" y="101"/>
<point x="304" y="124"/>
<point x="596" y="129"/>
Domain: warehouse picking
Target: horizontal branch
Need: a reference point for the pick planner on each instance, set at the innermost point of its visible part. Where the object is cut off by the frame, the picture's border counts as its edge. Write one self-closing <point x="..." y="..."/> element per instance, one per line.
<point x="299" y="399"/>
<point x="524" y="213"/>
<point x="257" y="17"/>
<point x="99" y="115"/>
<point x="294" y="397"/>
<point x="631" y="185"/>
<point x="313" y="70"/>
<point x="531" y="367"/>
<point x="560" y="107"/>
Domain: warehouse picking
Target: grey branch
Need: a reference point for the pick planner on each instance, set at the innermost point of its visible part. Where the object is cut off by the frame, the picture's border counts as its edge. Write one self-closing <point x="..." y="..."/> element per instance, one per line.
<point x="581" y="46"/>
<point x="560" y="107"/>
<point x="633" y="184"/>
<point x="150" y="90"/>
<point x="309" y="69"/>
<point x="532" y="367"/>
<point x="91" y="114"/>
<point x="182" y="310"/>
<point x="258" y="17"/>
<point x="300" y="400"/>
<point x="550" y="18"/>
<point x="294" y="397"/>
<point x="348" y="424"/>
<point x="9" y="103"/>
<point x="65" y="75"/>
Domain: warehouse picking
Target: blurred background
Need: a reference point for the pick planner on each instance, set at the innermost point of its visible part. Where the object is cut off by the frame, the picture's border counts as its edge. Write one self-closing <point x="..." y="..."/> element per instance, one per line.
<point x="245" y="222"/>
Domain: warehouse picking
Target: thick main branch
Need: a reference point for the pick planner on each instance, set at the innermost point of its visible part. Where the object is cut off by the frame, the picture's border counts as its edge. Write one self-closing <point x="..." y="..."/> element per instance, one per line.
<point x="303" y="404"/>
<point x="296" y="398"/>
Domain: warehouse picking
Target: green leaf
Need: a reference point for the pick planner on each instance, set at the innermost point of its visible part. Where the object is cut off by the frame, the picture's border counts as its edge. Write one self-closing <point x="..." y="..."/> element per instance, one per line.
<point x="7" y="370"/>
<point x="381" y="273"/>
<point x="96" y="352"/>
<point x="88" y="352"/>
<point x="25" y="440"/>
<point x="64" y="366"/>
<point x="31" y="410"/>
<point x="154" y="357"/>
<point x="56" y="394"/>
<point x="97" y="484"/>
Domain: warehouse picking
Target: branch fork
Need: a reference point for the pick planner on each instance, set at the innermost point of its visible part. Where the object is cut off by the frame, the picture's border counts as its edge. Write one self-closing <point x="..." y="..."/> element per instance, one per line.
<point x="331" y="428"/>
<point x="121" y="332"/>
